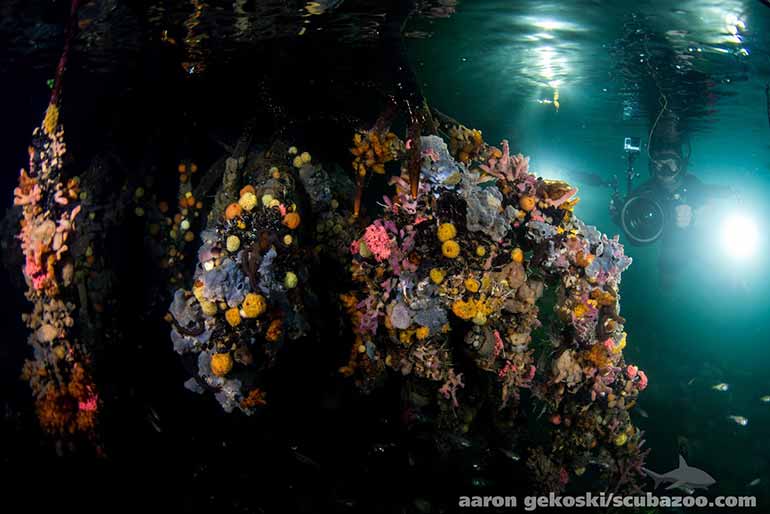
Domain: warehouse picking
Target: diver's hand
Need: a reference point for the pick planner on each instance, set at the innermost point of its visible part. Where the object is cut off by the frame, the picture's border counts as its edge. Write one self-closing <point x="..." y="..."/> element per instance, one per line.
<point x="683" y="215"/>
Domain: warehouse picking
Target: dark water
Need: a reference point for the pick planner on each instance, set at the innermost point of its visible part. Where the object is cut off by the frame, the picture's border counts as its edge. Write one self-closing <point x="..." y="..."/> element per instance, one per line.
<point x="164" y="81"/>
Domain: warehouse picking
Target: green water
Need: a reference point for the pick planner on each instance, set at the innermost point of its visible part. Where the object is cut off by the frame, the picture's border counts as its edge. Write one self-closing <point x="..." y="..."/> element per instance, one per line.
<point x="490" y="64"/>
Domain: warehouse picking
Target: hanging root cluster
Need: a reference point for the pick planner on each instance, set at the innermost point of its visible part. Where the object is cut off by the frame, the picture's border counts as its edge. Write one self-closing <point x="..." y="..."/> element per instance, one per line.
<point x="248" y="293"/>
<point x="66" y="398"/>
<point x="448" y="289"/>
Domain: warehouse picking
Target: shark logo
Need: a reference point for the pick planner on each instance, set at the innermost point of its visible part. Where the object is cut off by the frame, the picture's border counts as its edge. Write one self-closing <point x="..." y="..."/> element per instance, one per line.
<point x="685" y="478"/>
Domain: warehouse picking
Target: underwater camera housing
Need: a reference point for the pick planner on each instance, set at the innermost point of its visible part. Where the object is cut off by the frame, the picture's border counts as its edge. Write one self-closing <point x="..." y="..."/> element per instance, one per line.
<point x="642" y="218"/>
<point x="640" y="215"/>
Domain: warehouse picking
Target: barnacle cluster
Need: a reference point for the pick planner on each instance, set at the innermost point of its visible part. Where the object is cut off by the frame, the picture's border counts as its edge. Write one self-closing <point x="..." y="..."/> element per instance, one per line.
<point x="246" y="298"/>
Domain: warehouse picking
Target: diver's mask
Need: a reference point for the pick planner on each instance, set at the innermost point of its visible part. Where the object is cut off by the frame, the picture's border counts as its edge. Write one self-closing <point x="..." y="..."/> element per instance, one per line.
<point x="667" y="166"/>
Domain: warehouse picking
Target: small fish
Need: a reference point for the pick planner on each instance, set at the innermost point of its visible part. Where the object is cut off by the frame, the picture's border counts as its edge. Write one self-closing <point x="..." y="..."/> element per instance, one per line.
<point x="691" y="382"/>
<point x="765" y="399"/>
<point x="459" y="441"/>
<point x="154" y="420"/>
<point x="740" y="420"/>
<point x="418" y="34"/>
<point x="510" y="454"/>
<point x="304" y="459"/>
<point x="599" y="463"/>
<point x="642" y="412"/>
<point x="475" y="482"/>
<point x="380" y="448"/>
<point x="346" y="502"/>
<point x="722" y="387"/>
<point x="754" y="482"/>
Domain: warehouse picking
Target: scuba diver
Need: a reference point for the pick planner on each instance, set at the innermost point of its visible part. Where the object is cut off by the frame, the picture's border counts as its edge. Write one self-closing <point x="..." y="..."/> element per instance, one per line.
<point x="666" y="206"/>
